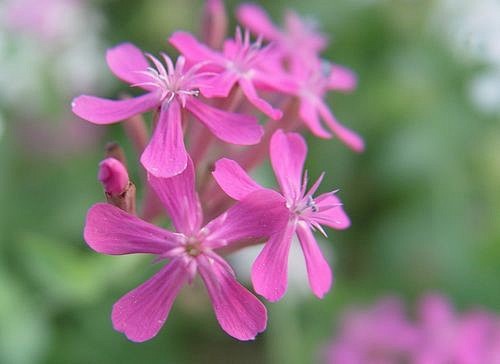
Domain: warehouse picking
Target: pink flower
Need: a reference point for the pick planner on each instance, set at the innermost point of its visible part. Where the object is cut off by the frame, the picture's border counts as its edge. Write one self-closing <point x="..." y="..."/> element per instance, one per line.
<point x="113" y="176"/>
<point x="190" y="249"/>
<point x="305" y="213"/>
<point x="384" y="334"/>
<point x="447" y="337"/>
<point x="240" y="62"/>
<point x="310" y="77"/>
<point x="298" y="41"/>
<point x="381" y="335"/>
<point x="169" y="89"/>
<point x="310" y="85"/>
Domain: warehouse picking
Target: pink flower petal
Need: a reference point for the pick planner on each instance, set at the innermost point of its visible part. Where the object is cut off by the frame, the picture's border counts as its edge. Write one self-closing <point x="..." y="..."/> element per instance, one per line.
<point x="288" y="152"/>
<point x="261" y="104"/>
<point x="318" y="270"/>
<point x="141" y="313"/>
<point x="330" y="212"/>
<point x="109" y="230"/>
<point x="233" y="179"/>
<point x="342" y="79"/>
<point x="221" y="85"/>
<point x="347" y="136"/>
<point x="230" y="127"/>
<point x="238" y="311"/>
<point x="256" y="19"/>
<point x="179" y="197"/>
<point x="193" y="50"/>
<point x="103" y="111"/>
<point x="272" y="77"/>
<point x="259" y="215"/>
<point x="126" y="61"/>
<point x="305" y="36"/>
<point x="270" y="269"/>
<point x="165" y="155"/>
<point x="309" y="114"/>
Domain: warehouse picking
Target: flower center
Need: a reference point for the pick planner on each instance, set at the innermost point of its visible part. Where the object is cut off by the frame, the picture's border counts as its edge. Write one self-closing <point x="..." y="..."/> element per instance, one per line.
<point x="306" y="203"/>
<point x="193" y="247"/>
<point x="316" y="82"/>
<point x="246" y="53"/>
<point x="172" y="81"/>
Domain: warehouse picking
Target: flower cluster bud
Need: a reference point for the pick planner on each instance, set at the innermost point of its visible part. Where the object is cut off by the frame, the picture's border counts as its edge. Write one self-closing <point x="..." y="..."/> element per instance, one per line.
<point x="113" y="175"/>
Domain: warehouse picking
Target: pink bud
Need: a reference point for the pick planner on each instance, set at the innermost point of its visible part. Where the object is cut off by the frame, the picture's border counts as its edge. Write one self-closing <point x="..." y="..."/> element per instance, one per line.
<point x="214" y="24"/>
<point x="113" y="176"/>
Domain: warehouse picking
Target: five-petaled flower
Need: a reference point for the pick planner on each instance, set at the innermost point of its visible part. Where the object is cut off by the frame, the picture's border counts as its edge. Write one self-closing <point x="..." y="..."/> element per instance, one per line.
<point x="310" y="85"/>
<point x="190" y="249"/>
<point x="248" y="64"/>
<point x="170" y="90"/>
<point x="305" y="213"/>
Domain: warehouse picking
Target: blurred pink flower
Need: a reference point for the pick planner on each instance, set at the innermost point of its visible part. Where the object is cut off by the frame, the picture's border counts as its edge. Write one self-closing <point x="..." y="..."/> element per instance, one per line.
<point x="298" y="42"/>
<point x="190" y="249"/>
<point x="310" y="85"/>
<point x="378" y="335"/>
<point x="170" y="90"/>
<point x="384" y="334"/>
<point x="310" y="77"/>
<point x="447" y="337"/>
<point x="41" y="18"/>
<point x="305" y="213"/>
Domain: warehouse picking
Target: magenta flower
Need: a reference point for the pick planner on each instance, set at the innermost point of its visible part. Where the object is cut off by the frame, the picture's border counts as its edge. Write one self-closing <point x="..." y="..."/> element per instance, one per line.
<point x="241" y="61"/>
<point x="305" y="213"/>
<point x="190" y="249"/>
<point x="299" y="41"/>
<point x="170" y="90"/>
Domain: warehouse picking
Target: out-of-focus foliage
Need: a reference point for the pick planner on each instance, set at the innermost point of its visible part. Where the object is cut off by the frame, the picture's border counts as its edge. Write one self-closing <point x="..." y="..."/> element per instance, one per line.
<point x="423" y="198"/>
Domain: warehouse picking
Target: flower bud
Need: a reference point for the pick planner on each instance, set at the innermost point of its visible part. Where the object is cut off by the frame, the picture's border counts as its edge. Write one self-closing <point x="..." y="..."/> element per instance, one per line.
<point x="214" y="24"/>
<point x="113" y="176"/>
<point x="120" y="192"/>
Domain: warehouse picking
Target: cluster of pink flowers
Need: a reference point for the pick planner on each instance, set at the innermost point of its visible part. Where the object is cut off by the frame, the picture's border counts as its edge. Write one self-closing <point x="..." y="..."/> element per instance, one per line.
<point x="206" y="137"/>
<point x="384" y="334"/>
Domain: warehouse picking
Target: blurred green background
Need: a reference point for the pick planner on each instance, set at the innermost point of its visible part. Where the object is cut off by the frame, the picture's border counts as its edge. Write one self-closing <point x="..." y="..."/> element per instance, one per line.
<point x="424" y="198"/>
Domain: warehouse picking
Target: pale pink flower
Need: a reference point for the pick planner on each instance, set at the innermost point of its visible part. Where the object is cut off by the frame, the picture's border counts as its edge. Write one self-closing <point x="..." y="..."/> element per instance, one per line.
<point x="241" y="62"/>
<point x="449" y="337"/>
<point x="42" y="18"/>
<point x="305" y="213"/>
<point x="169" y="89"/>
<point x="438" y="335"/>
<point x="378" y="335"/>
<point x="298" y="41"/>
<point x="190" y="249"/>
